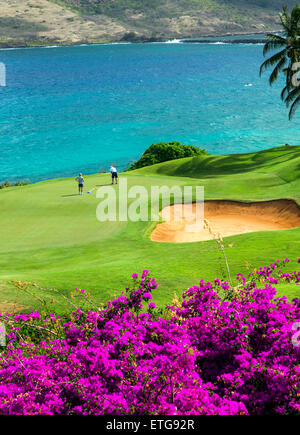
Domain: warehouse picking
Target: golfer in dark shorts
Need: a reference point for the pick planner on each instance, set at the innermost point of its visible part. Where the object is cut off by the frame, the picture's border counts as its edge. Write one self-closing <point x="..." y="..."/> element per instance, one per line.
<point x="80" y="183"/>
<point x="114" y="175"/>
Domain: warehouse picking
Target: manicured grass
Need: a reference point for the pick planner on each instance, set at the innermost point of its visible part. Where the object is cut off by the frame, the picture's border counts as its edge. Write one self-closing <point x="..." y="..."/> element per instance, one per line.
<point x="51" y="235"/>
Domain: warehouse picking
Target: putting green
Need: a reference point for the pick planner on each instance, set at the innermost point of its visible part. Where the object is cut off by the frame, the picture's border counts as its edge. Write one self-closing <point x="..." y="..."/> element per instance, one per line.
<point x="51" y="235"/>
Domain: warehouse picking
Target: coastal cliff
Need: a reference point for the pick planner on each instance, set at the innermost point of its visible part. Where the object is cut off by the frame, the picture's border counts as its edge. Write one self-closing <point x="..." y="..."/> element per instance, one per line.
<point x="67" y="22"/>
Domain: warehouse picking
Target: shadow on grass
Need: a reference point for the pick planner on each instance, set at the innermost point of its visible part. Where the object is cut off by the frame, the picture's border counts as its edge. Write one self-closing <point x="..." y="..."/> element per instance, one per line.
<point x="212" y="166"/>
<point x="73" y="194"/>
<point x="90" y="191"/>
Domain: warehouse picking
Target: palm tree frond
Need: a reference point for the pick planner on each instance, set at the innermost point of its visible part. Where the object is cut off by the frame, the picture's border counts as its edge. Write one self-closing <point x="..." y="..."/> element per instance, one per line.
<point x="273" y="44"/>
<point x="284" y="61"/>
<point x="273" y="60"/>
<point x="294" y="107"/>
<point x="284" y="93"/>
<point x="276" y="71"/>
<point x="291" y="96"/>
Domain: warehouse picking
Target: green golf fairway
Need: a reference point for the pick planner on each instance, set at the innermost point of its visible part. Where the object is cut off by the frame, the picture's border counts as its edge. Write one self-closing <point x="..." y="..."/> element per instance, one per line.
<point x="50" y="235"/>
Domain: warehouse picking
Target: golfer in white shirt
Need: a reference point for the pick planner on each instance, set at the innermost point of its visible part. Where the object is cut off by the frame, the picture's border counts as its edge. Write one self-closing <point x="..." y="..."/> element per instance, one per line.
<point x="114" y="175"/>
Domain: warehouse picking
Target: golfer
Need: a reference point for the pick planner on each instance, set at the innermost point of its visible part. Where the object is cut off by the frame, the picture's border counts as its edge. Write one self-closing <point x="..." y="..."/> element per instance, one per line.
<point x="80" y="183"/>
<point x="114" y="175"/>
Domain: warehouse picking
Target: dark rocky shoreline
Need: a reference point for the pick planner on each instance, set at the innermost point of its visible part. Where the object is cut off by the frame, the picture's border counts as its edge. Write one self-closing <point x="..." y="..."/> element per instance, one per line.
<point x="136" y="41"/>
<point x="227" y="41"/>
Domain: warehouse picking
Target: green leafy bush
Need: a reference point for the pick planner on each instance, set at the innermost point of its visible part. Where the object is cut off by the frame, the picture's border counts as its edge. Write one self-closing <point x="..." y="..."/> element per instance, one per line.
<point x="162" y="152"/>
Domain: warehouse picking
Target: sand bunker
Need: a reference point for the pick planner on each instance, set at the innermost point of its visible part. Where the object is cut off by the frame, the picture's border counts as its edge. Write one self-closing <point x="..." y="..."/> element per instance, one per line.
<point x="227" y="218"/>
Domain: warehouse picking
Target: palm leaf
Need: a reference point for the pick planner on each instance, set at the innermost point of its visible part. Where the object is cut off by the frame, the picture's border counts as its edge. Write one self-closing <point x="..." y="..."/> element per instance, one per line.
<point x="289" y="86"/>
<point x="291" y="96"/>
<point x="294" y="107"/>
<point x="295" y="19"/>
<point x="274" y="76"/>
<point x="285" y="20"/>
<point x="273" y="60"/>
<point x="284" y="93"/>
<point x="273" y="44"/>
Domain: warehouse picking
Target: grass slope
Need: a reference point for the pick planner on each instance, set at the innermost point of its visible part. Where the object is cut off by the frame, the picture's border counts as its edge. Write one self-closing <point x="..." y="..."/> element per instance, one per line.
<point x="51" y="235"/>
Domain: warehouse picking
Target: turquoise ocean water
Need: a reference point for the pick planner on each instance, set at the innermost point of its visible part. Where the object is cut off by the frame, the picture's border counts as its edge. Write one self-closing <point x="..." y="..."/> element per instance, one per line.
<point x="70" y="109"/>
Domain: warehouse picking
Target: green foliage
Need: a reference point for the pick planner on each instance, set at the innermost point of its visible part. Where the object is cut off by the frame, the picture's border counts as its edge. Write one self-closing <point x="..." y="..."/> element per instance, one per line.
<point x="162" y="152"/>
<point x="287" y="56"/>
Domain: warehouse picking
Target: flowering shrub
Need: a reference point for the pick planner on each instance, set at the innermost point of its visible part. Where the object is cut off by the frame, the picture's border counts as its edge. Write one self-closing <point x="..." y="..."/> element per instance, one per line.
<point x="221" y="350"/>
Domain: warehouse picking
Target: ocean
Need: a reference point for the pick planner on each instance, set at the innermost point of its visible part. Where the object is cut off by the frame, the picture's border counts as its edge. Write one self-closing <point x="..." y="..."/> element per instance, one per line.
<point x="82" y="108"/>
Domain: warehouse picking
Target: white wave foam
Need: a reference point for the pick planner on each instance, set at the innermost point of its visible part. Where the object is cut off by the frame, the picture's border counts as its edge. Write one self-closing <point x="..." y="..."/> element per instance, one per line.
<point x="173" y="41"/>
